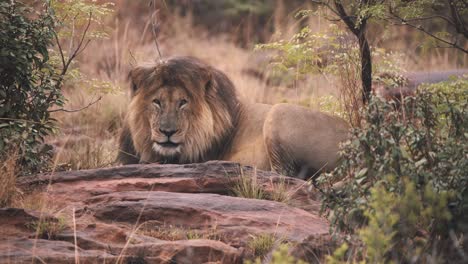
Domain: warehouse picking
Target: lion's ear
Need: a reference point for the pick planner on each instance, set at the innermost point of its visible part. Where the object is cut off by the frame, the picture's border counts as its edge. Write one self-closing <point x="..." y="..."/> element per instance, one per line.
<point x="136" y="76"/>
<point x="207" y="76"/>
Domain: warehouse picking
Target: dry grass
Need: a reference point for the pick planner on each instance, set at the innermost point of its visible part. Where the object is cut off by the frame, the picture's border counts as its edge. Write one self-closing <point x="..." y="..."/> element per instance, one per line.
<point x="48" y="228"/>
<point x="88" y="138"/>
<point x="261" y="245"/>
<point x="91" y="133"/>
<point x="247" y="186"/>
<point x="8" y="174"/>
<point x="173" y="233"/>
<point x="280" y="191"/>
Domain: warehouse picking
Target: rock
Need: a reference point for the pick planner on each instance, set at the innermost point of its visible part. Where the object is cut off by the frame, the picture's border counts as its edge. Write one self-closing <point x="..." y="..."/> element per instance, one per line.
<point x="161" y="214"/>
<point x="235" y="219"/>
<point x="407" y="83"/>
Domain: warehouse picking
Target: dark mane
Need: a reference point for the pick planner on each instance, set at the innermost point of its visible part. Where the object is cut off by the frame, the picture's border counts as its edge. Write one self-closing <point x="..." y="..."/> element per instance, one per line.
<point x="220" y="93"/>
<point x="208" y="86"/>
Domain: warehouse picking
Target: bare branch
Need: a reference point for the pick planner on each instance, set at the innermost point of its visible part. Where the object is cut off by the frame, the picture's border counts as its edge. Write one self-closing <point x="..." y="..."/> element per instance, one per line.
<point x="85" y="32"/>
<point x="404" y="22"/>
<point x="76" y="110"/>
<point x="327" y="4"/>
<point x="70" y="46"/>
<point x="432" y="17"/>
<point x="79" y="48"/>
<point x="84" y="47"/>
<point x="21" y="120"/>
<point x="155" y="27"/>
<point x="133" y="57"/>
<point x="62" y="56"/>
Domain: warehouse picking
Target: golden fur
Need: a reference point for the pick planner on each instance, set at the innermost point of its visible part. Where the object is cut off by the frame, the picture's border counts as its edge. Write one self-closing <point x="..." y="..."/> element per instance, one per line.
<point x="209" y="123"/>
<point x="185" y="111"/>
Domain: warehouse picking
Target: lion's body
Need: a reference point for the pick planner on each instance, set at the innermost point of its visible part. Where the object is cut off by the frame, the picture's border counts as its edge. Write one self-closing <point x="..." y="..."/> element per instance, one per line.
<point x="287" y="138"/>
<point x="184" y="111"/>
<point x="248" y="143"/>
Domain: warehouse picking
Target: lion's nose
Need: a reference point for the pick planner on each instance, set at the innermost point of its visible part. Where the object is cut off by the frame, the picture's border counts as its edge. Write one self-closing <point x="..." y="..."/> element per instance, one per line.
<point x="168" y="132"/>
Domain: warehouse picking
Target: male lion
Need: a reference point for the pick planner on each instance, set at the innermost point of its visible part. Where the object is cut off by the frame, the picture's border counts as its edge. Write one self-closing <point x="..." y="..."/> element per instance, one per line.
<point x="184" y="111"/>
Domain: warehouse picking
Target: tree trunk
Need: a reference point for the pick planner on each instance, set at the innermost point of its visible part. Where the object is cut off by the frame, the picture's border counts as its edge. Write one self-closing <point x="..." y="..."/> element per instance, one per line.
<point x="366" y="66"/>
<point x="364" y="50"/>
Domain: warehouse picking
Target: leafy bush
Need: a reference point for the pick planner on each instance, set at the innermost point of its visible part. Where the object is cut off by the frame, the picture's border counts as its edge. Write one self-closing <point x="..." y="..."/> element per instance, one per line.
<point x="29" y="86"/>
<point x="332" y="52"/>
<point x="403" y="178"/>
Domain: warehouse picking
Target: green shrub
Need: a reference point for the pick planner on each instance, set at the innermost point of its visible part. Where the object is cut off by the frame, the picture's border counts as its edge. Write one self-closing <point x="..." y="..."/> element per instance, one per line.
<point x="403" y="178"/>
<point x="279" y="256"/>
<point x="29" y="86"/>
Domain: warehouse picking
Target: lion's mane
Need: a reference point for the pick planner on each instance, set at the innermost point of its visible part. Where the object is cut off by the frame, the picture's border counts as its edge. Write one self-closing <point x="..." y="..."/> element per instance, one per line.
<point x="215" y="102"/>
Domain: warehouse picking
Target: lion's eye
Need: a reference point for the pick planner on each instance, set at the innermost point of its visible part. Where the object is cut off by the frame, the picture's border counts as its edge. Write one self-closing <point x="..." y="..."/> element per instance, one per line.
<point x="157" y="103"/>
<point x="182" y="103"/>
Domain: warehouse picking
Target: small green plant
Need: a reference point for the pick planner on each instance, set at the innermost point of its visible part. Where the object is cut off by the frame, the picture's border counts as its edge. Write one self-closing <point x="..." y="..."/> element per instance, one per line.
<point x="192" y="234"/>
<point x="280" y="256"/>
<point x="339" y="255"/>
<point x="48" y="228"/>
<point x="379" y="234"/>
<point x="246" y="186"/>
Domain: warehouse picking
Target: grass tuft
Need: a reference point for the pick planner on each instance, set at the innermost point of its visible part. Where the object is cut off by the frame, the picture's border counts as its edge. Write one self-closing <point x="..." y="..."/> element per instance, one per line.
<point x="262" y="244"/>
<point x="8" y="174"/>
<point x="247" y="186"/>
<point x="48" y="228"/>
<point x="279" y="191"/>
<point x="174" y="233"/>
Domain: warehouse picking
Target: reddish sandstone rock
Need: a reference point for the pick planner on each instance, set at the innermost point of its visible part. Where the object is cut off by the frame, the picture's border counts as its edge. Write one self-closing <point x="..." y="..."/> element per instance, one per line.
<point x="160" y="214"/>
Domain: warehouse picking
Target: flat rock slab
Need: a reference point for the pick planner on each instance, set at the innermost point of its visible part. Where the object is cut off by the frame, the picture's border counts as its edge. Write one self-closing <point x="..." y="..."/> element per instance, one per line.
<point x="157" y="214"/>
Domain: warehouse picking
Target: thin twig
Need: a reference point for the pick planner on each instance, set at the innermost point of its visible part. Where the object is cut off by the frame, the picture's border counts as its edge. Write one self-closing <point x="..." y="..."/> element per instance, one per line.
<point x="155" y="35"/>
<point x="154" y="27"/>
<point x="76" y="110"/>
<point x="62" y="56"/>
<point x="78" y="48"/>
<point x="405" y="22"/>
<point x="133" y="57"/>
<point x="21" y="120"/>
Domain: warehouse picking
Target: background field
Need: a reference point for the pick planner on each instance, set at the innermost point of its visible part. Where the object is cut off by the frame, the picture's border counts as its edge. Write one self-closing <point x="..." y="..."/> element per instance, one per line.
<point x="224" y="37"/>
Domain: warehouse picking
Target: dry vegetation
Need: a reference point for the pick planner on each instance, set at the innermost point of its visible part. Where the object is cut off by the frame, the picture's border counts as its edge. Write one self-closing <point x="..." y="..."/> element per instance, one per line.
<point x="87" y="139"/>
<point x="8" y="173"/>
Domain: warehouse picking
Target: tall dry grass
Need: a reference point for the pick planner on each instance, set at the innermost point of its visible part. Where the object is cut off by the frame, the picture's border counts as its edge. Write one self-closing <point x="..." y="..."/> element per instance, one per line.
<point x="8" y="173"/>
<point x="88" y="138"/>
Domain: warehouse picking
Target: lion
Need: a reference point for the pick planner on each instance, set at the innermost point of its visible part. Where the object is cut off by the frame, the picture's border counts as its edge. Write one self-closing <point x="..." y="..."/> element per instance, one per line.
<point x="183" y="110"/>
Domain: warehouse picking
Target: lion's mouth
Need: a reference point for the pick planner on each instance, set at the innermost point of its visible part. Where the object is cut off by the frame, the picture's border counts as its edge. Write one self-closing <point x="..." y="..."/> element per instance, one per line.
<point x="168" y="144"/>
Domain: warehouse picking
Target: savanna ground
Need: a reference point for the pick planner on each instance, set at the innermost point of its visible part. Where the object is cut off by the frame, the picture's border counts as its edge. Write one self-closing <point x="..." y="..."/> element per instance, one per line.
<point x="125" y="34"/>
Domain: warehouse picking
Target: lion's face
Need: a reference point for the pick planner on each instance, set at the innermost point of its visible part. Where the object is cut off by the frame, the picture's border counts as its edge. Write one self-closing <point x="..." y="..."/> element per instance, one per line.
<point x="181" y="110"/>
<point x="168" y="122"/>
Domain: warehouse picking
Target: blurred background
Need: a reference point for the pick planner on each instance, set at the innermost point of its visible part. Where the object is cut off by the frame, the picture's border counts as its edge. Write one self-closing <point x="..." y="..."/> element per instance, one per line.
<point x="253" y="41"/>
